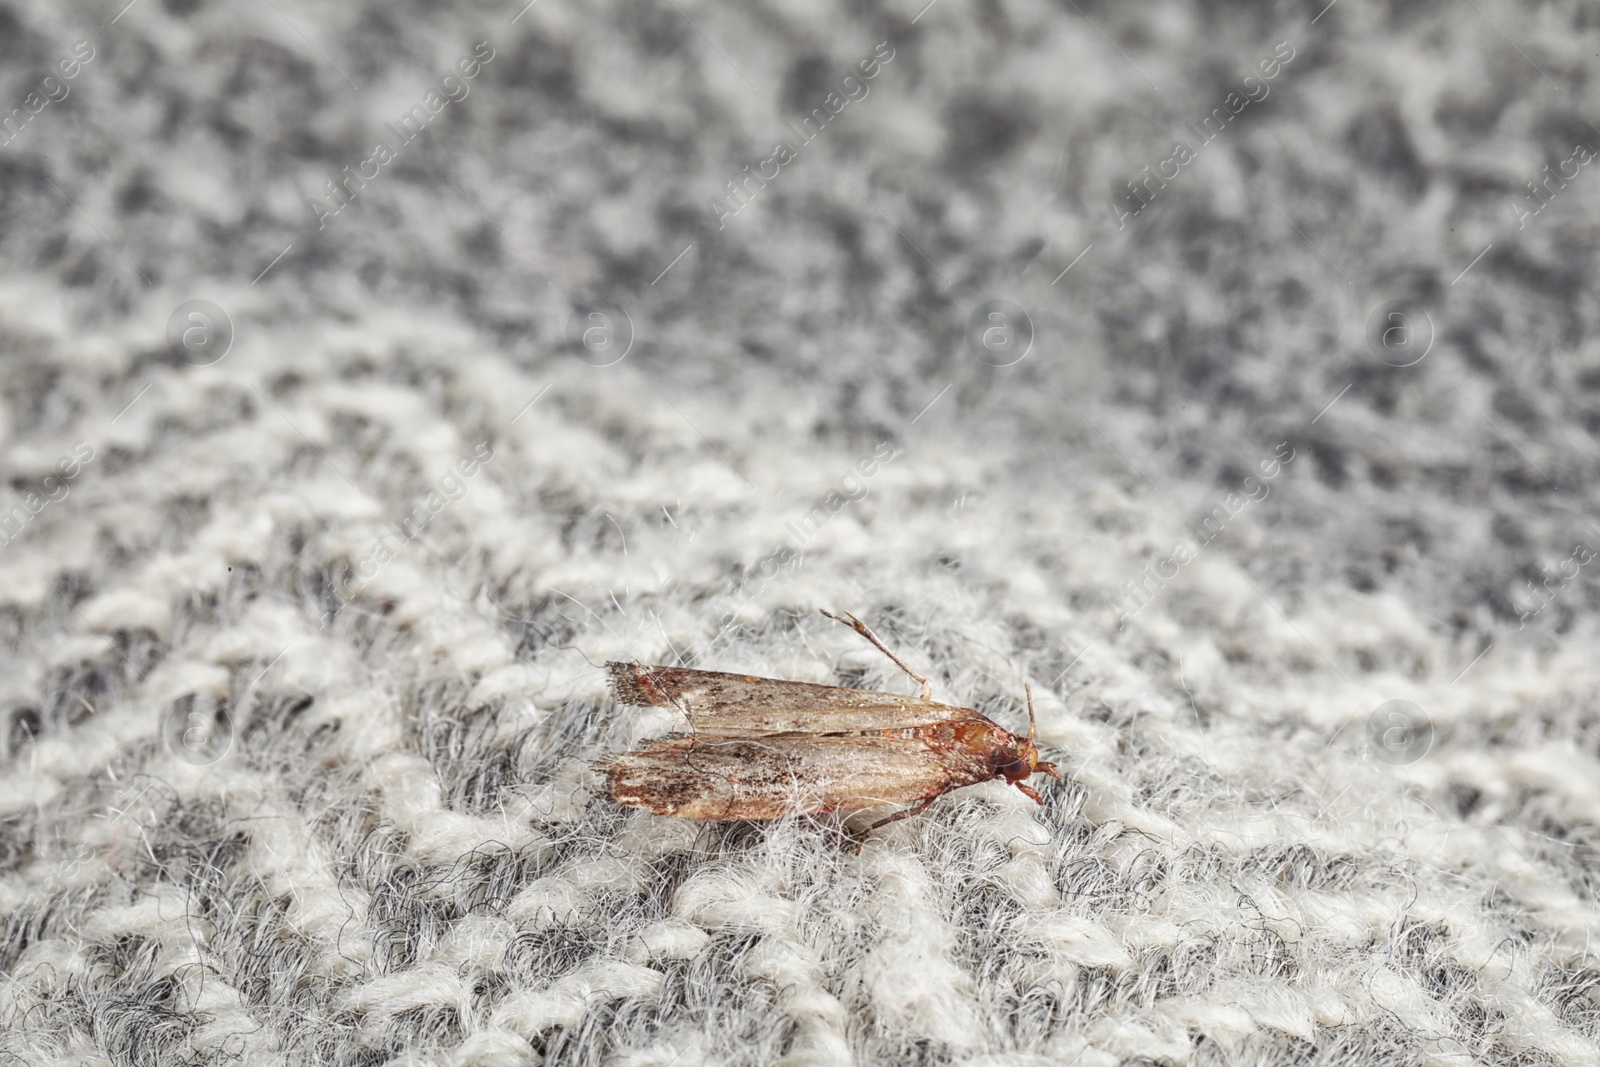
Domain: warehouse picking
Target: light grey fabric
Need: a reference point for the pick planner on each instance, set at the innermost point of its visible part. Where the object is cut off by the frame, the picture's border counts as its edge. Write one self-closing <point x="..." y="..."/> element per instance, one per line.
<point x="373" y="373"/>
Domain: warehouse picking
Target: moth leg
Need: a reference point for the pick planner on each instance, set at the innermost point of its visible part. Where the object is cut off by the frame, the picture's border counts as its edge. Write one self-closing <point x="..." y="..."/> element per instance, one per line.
<point x="896" y="817"/>
<point x="861" y="628"/>
<point x="1027" y="791"/>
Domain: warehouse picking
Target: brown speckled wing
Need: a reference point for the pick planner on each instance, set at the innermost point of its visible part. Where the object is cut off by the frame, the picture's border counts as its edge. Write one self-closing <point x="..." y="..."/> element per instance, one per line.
<point x="742" y="705"/>
<point x="782" y="774"/>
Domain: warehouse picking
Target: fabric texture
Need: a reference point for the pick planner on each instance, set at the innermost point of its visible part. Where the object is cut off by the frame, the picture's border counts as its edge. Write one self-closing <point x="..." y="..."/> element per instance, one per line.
<point x="374" y="373"/>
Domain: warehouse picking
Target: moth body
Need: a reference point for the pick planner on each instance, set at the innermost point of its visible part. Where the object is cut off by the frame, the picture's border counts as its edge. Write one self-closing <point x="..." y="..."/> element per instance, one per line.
<point x="762" y="748"/>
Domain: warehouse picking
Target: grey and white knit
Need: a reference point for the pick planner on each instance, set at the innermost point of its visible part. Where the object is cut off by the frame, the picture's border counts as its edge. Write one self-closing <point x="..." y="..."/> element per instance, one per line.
<point x="370" y="374"/>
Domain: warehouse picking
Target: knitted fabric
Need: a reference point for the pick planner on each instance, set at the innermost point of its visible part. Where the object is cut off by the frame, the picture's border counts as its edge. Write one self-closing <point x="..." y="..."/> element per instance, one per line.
<point x="373" y="374"/>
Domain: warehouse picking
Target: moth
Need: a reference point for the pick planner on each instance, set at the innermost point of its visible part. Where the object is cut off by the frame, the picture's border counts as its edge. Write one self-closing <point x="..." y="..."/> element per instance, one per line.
<point x="762" y="748"/>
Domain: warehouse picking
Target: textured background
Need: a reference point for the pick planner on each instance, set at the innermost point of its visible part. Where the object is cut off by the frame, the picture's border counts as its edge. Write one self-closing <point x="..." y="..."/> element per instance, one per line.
<point x="280" y="784"/>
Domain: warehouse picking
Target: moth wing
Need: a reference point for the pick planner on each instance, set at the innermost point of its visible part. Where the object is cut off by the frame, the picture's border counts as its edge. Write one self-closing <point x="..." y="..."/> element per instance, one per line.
<point x="782" y="774"/>
<point x="718" y="703"/>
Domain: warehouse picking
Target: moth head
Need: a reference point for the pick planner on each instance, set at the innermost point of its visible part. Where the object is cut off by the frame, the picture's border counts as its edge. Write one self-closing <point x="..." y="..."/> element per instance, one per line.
<point x="1023" y="761"/>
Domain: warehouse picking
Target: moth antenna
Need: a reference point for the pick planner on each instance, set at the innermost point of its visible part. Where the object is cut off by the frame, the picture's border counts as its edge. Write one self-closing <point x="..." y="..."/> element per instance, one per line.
<point x="1028" y="689"/>
<point x="861" y="628"/>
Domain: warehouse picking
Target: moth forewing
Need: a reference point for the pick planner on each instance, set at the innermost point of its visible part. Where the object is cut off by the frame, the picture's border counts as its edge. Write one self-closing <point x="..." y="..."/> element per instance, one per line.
<point x="774" y="775"/>
<point x="742" y="704"/>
